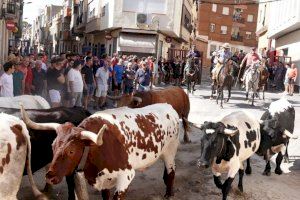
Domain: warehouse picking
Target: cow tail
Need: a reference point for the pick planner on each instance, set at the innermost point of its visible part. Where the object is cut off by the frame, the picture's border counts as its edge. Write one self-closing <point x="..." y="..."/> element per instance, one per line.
<point x="37" y="194"/>
<point x="185" y="123"/>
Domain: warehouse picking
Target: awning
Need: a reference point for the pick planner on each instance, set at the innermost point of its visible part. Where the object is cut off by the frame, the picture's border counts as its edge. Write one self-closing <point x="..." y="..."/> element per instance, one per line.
<point x="139" y="43"/>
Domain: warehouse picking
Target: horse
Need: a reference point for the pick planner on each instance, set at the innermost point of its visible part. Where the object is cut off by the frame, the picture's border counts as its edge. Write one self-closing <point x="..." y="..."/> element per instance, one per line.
<point x="224" y="79"/>
<point x="191" y="76"/>
<point x="251" y="81"/>
<point x="263" y="79"/>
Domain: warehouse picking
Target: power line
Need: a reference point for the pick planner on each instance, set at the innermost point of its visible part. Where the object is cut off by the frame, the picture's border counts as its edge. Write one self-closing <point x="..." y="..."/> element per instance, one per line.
<point x="238" y="3"/>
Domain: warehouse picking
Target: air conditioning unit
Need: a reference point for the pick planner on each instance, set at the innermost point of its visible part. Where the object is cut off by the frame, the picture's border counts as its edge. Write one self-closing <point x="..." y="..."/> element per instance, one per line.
<point x="141" y="18"/>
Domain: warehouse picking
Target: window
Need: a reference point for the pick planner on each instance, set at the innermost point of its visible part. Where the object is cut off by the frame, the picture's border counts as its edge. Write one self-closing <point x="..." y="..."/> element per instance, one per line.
<point x="214" y="7"/>
<point x="212" y="28"/>
<point x="250" y="18"/>
<point x="223" y="30"/>
<point x="186" y="20"/>
<point x="103" y="11"/>
<point x="225" y="11"/>
<point x="248" y="35"/>
<point x="212" y="48"/>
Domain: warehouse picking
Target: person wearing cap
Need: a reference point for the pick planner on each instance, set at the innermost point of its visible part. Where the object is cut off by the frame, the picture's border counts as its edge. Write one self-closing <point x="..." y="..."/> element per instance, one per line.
<point x="251" y="58"/>
<point x="55" y="81"/>
<point x="223" y="56"/>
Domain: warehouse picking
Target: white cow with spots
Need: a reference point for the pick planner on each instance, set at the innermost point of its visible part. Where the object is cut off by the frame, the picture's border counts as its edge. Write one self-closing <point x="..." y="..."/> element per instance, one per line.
<point x="227" y="144"/>
<point x="14" y="149"/>
<point x="127" y="140"/>
<point x="29" y="102"/>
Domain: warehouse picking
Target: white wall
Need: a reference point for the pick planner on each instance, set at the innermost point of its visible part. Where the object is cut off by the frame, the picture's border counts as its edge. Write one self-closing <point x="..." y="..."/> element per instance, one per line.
<point x="121" y="13"/>
<point x="283" y="15"/>
<point x="292" y="42"/>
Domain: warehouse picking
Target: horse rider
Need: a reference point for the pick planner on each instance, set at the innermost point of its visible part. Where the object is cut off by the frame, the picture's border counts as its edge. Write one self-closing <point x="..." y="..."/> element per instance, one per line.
<point x="223" y="56"/>
<point x="251" y="58"/>
<point x="192" y="56"/>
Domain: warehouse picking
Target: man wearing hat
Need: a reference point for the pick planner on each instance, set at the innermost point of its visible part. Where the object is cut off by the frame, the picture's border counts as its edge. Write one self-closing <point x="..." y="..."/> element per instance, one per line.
<point x="222" y="58"/>
<point x="55" y="81"/>
<point x="250" y="59"/>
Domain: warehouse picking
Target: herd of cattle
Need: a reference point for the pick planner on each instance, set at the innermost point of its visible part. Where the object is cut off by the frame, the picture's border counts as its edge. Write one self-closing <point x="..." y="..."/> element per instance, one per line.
<point x="110" y="145"/>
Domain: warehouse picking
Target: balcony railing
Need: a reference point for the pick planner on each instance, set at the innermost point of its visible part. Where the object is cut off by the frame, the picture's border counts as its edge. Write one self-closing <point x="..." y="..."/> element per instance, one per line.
<point x="239" y="19"/>
<point x="237" y="38"/>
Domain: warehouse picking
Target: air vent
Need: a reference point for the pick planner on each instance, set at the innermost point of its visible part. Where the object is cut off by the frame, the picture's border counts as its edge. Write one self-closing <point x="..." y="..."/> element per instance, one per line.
<point x="141" y="18"/>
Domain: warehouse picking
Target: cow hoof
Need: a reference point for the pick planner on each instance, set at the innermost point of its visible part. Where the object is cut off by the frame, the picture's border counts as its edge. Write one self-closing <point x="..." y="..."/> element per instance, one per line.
<point x="241" y="188"/>
<point x="248" y="171"/>
<point x="278" y="171"/>
<point x="267" y="173"/>
<point x="187" y="141"/>
<point x="169" y="196"/>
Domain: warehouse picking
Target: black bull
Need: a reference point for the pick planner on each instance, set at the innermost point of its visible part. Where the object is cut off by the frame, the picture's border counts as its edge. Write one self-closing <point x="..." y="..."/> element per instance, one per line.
<point x="41" y="141"/>
<point x="272" y="131"/>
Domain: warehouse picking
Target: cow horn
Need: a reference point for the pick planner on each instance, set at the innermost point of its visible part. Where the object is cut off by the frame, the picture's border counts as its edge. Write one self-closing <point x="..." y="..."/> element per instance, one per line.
<point x="114" y="98"/>
<point x="34" y="125"/>
<point x="97" y="139"/>
<point x="230" y="131"/>
<point x="138" y="99"/>
<point x="289" y="134"/>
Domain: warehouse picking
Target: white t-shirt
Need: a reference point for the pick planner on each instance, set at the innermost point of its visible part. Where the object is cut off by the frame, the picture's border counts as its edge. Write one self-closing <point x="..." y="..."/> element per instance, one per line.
<point x="7" y="85"/>
<point x="75" y="76"/>
<point x="44" y="66"/>
<point x="102" y="76"/>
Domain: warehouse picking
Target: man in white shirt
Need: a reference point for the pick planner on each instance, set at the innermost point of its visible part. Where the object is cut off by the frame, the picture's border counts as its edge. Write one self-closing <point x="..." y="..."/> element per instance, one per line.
<point x="102" y="76"/>
<point x="6" y="80"/>
<point x="75" y="84"/>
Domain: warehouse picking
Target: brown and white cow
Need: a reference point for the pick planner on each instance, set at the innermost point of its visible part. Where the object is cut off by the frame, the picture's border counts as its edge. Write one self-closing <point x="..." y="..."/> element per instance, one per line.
<point x="127" y="140"/>
<point x="174" y="96"/>
<point x="14" y="149"/>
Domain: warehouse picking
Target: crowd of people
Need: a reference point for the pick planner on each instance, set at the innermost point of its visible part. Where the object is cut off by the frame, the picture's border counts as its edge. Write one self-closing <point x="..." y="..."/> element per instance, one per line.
<point x="75" y="80"/>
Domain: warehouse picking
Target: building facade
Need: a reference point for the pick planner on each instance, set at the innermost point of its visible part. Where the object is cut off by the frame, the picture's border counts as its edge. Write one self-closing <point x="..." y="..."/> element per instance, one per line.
<point x="279" y="30"/>
<point x="148" y="28"/>
<point x="232" y="22"/>
<point x="11" y="12"/>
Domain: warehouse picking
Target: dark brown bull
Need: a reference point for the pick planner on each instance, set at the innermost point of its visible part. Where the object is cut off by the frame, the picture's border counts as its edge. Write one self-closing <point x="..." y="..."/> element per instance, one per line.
<point x="174" y="96"/>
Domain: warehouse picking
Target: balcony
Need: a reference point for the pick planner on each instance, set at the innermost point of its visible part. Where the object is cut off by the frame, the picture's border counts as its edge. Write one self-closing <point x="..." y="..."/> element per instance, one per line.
<point x="10" y="11"/>
<point x="238" y="19"/>
<point x="93" y="26"/>
<point x="81" y="21"/>
<point x="237" y="38"/>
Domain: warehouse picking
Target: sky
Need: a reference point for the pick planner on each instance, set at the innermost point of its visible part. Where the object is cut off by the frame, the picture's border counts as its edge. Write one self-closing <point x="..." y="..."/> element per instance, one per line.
<point x="31" y="11"/>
